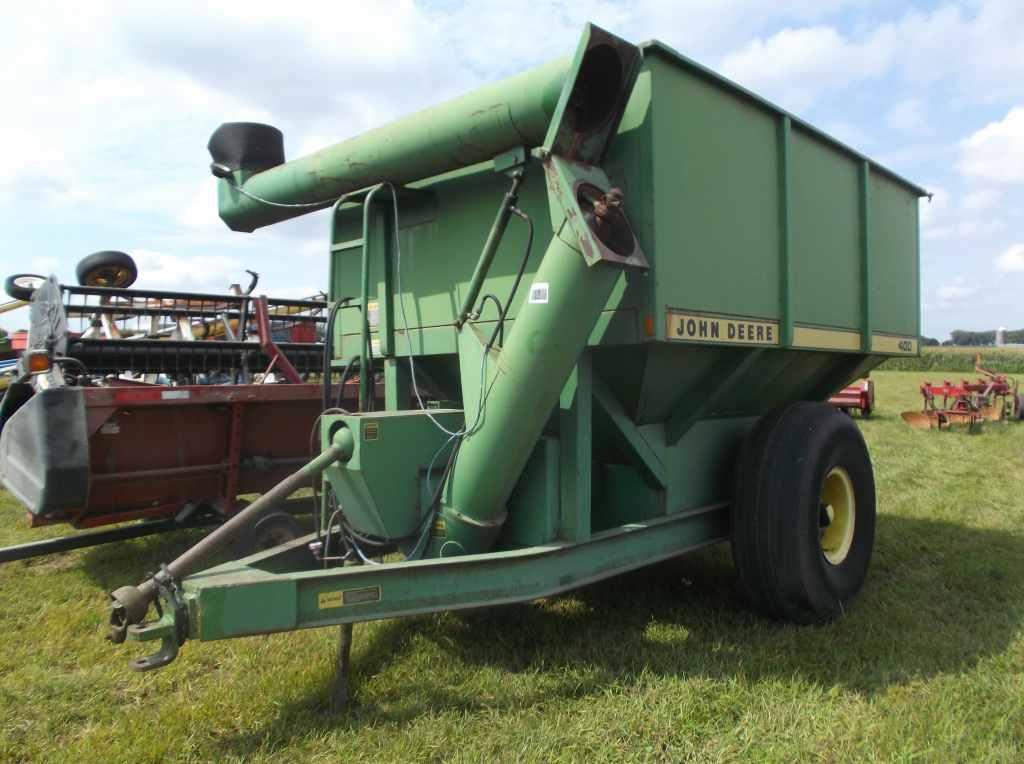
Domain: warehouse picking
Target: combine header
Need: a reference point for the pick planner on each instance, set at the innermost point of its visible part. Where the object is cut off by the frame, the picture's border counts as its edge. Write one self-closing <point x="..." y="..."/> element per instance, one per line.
<point x="607" y="299"/>
<point x="139" y="405"/>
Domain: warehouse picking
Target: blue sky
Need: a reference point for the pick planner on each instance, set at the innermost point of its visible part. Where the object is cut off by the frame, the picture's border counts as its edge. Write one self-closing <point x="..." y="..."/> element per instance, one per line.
<point x="110" y="106"/>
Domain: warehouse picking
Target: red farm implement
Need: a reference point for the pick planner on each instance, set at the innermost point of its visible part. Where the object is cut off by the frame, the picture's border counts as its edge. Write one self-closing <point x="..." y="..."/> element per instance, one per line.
<point x="860" y="396"/>
<point x="155" y="410"/>
<point x="993" y="397"/>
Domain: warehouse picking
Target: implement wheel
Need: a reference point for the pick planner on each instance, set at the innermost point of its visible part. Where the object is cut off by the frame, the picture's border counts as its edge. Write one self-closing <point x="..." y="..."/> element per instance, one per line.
<point x="273" y="530"/>
<point x="107" y="269"/>
<point x="20" y="286"/>
<point x="803" y="516"/>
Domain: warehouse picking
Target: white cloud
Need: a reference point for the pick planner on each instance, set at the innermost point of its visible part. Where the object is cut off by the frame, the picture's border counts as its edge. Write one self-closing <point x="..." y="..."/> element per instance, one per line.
<point x="302" y="292"/>
<point x="212" y="273"/>
<point x="963" y="229"/>
<point x="933" y="211"/>
<point x="796" y="65"/>
<point x="200" y="211"/>
<point x="314" y="248"/>
<point x="995" y="153"/>
<point x="941" y="219"/>
<point x="981" y="200"/>
<point x="1012" y="259"/>
<point x="955" y="292"/>
<point x="43" y="264"/>
<point x="976" y="52"/>
<point x="908" y="115"/>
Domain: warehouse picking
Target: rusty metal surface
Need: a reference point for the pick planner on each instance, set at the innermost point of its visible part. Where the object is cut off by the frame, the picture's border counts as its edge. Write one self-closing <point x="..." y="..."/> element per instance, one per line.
<point x="153" y="449"/>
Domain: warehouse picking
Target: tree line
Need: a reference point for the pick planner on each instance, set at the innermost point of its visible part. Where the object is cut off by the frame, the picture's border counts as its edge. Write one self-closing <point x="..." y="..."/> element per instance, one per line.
<point x="962" y="338"/>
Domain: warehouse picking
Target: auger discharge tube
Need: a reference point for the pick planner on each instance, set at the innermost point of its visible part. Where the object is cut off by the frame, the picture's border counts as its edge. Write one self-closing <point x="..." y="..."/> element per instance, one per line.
<point x="466" y="130"/>
<point x="540" y="351"/>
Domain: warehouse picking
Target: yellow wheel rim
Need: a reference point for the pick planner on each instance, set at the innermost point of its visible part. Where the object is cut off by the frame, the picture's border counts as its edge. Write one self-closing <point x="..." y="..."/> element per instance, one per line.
<point x="838" y="515"/>
<point x="112" y="276"/>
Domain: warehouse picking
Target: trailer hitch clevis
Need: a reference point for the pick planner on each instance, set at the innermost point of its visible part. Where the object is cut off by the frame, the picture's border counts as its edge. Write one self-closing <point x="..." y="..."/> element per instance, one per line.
<point x="128" y="609"/>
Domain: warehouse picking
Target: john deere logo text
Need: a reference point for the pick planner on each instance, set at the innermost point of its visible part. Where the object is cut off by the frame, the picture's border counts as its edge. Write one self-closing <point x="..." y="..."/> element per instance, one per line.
<point x="696" y="327"/>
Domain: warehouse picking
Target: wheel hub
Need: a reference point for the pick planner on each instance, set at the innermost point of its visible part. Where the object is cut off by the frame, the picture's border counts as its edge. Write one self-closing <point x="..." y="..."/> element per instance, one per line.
<point x="838" y="515"/>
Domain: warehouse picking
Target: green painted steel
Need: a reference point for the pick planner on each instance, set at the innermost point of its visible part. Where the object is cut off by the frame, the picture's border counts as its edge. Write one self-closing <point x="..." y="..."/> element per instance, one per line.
<point x="537" y="358"/>
<point x="469" y="129"/>
<point x="251" y="597"/>
<point x="765" y="263"/>
<point x="393" y="459"/>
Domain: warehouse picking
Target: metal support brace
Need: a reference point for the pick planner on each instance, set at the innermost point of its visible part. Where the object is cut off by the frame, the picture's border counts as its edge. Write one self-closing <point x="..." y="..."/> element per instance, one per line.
<point x="644" y="455"/>
<point x="343" y="667"/>
<point x="397" y="384"/>
<point x="865" y="255"/>
<point x="575" y="415"/>
<point x="703" y="399"/>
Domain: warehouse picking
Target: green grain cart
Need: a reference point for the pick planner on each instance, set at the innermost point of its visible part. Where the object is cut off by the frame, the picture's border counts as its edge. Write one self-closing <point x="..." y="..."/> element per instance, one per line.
<point x="604" y="300"/>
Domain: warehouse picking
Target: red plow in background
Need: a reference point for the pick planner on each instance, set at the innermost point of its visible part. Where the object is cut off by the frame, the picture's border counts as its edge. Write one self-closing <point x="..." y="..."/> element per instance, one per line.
<point x="993" y="397"/>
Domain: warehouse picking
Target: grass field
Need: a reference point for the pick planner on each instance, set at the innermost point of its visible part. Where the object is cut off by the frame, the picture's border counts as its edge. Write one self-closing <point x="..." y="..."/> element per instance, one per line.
<point x="665" y="664"/>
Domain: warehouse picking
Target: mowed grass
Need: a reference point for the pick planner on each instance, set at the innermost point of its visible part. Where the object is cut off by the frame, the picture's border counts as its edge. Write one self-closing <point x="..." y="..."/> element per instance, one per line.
<point x="665" y="664"/>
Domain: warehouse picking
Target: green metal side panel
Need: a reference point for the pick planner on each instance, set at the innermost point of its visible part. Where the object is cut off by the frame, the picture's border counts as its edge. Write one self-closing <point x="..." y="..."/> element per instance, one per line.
<point x="700" y="467"/>
<point x="826" y="235"/>
<point x="621" y="496"/>
<point x="894" y="272"/>
<point x="533" y="507"/>
<point x="441" y="237"/>
<point x="439" y="255"/>
<point x="716" y="199"/>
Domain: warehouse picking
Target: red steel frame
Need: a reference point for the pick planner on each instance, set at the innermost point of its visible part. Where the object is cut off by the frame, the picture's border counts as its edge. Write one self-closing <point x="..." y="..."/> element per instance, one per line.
<point x="154" y="449"/>
<point x="859" y="396"/>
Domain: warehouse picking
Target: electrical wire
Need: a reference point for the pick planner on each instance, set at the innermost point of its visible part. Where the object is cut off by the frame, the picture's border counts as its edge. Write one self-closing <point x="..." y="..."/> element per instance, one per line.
<point x="455" y="438"/>
<point x="328" y="354"/>
<point x="314" y="479"/>
<point x="302" y="206"/>
<point x="464" y="430"/>
<point x="519" y="277"/>
<point x="498" y="306"/>
<point x="344" y="378"/>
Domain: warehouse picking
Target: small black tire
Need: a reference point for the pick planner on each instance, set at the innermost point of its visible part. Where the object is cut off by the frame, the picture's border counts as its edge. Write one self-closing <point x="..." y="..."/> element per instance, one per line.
<point x="803" y="515"/>
<point x="107" y="269"/>
<point x="270" y="531"/>
<point x="1020" y="407"/>
<point x="21" y="286"/>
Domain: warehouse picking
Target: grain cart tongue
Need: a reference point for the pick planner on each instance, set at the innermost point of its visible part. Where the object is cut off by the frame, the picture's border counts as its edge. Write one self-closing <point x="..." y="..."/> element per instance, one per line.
<point x="579" y="289"/>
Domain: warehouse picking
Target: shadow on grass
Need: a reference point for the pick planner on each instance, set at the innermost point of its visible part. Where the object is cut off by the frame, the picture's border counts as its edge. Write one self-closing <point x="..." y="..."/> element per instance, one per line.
<point x="940" y="598"/>
<point x="128" y="562"/>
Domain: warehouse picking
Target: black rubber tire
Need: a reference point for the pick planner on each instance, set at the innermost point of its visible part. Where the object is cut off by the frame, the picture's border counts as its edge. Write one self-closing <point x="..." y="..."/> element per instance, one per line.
<point x="270" y="531"/>
<point x="107" y="269"/>
<point x="21" y="291"/>
<point x="777" y="513"/>
<point x="1020" y="407"/>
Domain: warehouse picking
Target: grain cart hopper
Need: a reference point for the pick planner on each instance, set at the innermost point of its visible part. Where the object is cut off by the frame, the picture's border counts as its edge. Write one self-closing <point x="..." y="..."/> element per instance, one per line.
<point x="627" y="361"/>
